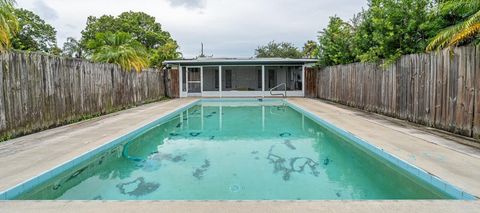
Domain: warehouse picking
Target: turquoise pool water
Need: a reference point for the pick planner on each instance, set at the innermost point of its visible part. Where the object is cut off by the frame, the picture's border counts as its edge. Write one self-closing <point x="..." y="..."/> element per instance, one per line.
<point x="236" y="150"/>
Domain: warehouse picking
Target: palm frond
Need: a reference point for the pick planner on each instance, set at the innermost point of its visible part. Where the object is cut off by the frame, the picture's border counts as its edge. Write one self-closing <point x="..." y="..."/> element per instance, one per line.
<point x="465" y="34"/>
<point x="8" y="23"/>
<point x="443" y="37"/>
<point x="119" y="48"/>
<point x="459" y="6"/>
<point x="453" y="35"/>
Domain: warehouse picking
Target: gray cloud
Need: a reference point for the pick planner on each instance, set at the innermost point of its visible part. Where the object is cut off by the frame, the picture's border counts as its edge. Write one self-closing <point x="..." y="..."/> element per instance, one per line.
<point x="192" y="4"/>
<point x="45" y="11"/>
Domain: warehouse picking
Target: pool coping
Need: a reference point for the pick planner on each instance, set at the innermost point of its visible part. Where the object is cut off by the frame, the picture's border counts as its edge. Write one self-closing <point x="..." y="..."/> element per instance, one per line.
<point x="435" y="181"/>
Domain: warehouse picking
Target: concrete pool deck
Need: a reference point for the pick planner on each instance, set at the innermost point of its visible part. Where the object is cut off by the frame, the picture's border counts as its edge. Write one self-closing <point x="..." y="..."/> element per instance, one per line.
<point x="441" y="154"/>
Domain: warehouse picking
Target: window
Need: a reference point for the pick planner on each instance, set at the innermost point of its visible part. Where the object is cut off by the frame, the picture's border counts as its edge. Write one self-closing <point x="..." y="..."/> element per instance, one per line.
<point x="216" y="79"/>
<point x="271" y="79"/>
<point x="228" y="79"/>
<point x="259" y="78"/>
<point x="184" y="79"/>
<point x="210" y="79"/>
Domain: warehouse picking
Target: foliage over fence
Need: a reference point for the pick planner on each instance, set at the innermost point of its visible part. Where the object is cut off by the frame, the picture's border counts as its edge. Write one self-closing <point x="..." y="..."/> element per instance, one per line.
<point x="39" y="91"/>
<point x="440" y="89"/>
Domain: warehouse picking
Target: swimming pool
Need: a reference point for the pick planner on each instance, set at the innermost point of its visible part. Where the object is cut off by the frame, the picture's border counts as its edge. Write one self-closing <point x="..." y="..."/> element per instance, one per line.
<point x="238" y="149"/>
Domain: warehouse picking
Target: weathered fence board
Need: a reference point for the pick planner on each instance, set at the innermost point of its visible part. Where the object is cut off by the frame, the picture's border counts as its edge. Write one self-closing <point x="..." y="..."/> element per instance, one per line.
<point x="438" y="89"/>
<point x="310" y="83"/>
<point x="39" y="91"/>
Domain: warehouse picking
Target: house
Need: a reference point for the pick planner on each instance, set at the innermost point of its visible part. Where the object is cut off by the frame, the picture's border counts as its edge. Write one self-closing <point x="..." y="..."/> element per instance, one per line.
<point x="235" y="77"/>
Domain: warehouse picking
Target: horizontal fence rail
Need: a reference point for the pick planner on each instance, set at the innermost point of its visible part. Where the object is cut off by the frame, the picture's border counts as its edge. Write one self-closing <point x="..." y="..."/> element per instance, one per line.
<point x="438" y="89"/>
<point x="39" y="91"/>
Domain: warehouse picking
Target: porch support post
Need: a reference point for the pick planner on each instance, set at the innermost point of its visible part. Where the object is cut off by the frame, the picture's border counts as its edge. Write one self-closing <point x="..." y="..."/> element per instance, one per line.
<point x="303" y="80"/>
<point x="201" y="80"/>
<point x="180" y="81"/>
<point x="263" y="80"/>
<point x="220" y="80"/>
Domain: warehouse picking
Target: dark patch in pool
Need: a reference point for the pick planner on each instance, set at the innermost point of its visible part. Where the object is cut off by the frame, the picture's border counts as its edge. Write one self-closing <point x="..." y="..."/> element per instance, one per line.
<point x="326" y="161"/>
<point x="208" y="116"/>
<point x="76" y="173"/>
<point x="288" y="143"/>
<point x="56" y="186"/>
<point x="194" y="134"/>
<point x="169" y="157"/>
<point x="292" y="165"/>
<point x="212" y="137"/>
<point x="137" y="159"/>
<point x="285" y="134"/>
<point x="174" y="134"/>
<point x="142" y="188"/>
<point x="254" y="152"/>
<point x="338" y="194"/>
<point x="101" y="160"/>
<point x="214" y="112"/>
<point x="199" y="172"/>
<point x="179" y="125"/>
<point x="98" y="197"/>
<point x="178" y="158"/>
<point x="184" y="119"/>
<point x="206" y="164"/>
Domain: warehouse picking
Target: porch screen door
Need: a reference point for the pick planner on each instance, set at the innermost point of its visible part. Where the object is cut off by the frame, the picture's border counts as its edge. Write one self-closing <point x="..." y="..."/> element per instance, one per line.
<point x="194" y="80"/>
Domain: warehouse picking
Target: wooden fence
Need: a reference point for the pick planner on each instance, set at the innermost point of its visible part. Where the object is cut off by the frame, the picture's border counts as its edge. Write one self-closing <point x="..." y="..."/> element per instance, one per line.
<point x="39" y="91"/>
<point x="440" y="89"/>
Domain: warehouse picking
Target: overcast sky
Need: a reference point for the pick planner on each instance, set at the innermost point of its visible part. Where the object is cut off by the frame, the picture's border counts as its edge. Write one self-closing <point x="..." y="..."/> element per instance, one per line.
<point x="227" y="28"/>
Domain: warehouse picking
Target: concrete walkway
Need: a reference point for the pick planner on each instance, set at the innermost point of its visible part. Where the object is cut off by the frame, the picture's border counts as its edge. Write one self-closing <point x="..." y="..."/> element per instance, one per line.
<point x="433" y="151"/>
<point x="421" y="206"/>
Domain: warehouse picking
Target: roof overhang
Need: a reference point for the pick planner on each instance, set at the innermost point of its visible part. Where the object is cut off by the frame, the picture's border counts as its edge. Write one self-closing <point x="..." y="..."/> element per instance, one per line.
<point x="236" y="61"/>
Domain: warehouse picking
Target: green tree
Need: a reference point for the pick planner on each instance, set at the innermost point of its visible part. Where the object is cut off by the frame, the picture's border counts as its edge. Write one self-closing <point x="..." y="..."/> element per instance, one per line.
<point x="310" y="49"/>
<point x="167" y="51"/>
<point x="119" y="48"/>
<point x="461" y="23"/>
<point x="141" y="27"/>
<point x="282" y="50"/>
<point x="72" y="48"/>
<point x="391" y="28"/>
<point x="8" y="23"/>
<point x="335" y="43"/>
<point x="34" y="33"/>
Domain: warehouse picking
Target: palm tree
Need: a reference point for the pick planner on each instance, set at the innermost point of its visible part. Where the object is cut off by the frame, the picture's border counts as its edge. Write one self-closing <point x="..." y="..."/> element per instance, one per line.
<point x="119" y="48"/>
<point x="8" y="23"/>
<point x="469" y="27"/>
